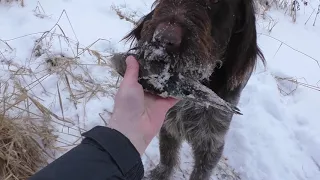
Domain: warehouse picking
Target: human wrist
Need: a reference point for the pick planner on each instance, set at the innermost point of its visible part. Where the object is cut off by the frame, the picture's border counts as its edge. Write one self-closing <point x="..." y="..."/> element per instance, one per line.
<point x="135" y="137"/>
<point x="138" y="143"/>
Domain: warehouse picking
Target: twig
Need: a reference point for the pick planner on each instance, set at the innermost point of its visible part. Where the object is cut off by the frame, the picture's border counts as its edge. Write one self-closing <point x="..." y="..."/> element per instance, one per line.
<point x="315" y="19"/>
<point x="277" y="50"/>
<point x="292" y="48"/>
<point x="7" y="44"/>
<point x="105" y="122"/>
<point x="316" y="163"/>
<point x="309" y="17"/>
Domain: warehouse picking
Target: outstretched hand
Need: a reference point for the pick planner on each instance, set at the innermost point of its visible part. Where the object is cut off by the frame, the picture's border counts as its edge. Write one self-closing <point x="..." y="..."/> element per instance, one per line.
<point x="137" y="114"/>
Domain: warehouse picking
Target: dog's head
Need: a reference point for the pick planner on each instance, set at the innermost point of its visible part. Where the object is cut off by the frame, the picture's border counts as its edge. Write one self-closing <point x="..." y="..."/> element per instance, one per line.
<point x="197" y="36"/>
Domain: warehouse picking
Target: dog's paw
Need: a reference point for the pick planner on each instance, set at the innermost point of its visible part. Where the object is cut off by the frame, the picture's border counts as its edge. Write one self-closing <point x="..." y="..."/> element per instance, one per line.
<point x="158" y="173"/>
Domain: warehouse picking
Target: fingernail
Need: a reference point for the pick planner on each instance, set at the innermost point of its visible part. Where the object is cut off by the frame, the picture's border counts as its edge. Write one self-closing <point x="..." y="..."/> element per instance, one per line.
<point x="130" y="57"/>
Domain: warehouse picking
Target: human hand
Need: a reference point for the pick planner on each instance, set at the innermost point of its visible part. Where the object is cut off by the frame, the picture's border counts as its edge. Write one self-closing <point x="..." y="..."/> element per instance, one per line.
<point x="137" y="114"/>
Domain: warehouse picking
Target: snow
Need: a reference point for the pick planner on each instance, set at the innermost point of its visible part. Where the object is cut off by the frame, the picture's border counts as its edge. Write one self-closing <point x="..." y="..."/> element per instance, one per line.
<point x="276" y="138"/>
<point x="159" y="81"/>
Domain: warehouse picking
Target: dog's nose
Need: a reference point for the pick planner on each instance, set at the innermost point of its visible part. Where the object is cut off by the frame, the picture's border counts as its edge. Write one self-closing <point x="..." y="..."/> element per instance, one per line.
<point x="169" y="35"/>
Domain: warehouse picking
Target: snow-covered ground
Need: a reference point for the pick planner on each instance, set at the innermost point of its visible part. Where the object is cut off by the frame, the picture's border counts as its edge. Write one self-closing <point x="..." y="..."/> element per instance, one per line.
<point x="277" y="138"/>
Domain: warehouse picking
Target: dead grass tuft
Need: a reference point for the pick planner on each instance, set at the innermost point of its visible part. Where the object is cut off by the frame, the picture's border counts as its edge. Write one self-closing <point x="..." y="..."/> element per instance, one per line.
<point x="26" y="136"/>
<point x="21" y="2"/>
<point x="289" y="7"/>
<point x="288" y="85"/>
<point x="21" y="155"/>
<point x="125" y="13"/>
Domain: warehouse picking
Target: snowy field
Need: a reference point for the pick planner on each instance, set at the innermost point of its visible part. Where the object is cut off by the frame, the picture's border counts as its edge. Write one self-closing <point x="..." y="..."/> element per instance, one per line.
<point x="277" y="138"/>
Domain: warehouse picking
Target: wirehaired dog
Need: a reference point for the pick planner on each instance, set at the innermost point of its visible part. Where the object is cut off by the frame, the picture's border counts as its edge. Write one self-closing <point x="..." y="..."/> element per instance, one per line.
<point x="213" y="41"/>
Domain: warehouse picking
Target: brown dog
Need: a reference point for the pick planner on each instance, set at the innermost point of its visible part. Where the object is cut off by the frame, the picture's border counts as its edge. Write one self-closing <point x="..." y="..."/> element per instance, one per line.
<point x="213" y="42"/>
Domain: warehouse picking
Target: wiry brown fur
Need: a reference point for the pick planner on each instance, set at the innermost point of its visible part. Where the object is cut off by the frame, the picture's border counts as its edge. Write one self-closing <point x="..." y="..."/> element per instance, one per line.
<point x="215" y="33"/>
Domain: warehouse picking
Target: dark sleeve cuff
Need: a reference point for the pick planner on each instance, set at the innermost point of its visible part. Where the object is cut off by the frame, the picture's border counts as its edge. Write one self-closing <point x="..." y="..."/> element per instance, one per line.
<point x="120" y="148"/>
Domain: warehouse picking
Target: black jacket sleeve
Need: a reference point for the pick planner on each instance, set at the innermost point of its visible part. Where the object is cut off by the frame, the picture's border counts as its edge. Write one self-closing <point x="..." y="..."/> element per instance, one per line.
<point x="103" y="154"/>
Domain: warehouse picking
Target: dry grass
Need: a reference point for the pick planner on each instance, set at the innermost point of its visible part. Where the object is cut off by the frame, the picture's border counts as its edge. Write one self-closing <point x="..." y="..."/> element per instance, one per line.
<point x="288" y="85"/>
<point x="26" y="136"/>
<point x="72" y="73"/>
<point x="20" y="154"/>
<point x="126" y="13"/>
<point x="21" y="2"/>
<point x="289" y="7"/>
<point x="57" y="72"/>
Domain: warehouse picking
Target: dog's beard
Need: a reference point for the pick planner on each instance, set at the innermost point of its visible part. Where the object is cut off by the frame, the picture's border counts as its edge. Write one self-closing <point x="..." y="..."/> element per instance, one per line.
<point x="189" y="63"/>
<point x="155" y="64"/>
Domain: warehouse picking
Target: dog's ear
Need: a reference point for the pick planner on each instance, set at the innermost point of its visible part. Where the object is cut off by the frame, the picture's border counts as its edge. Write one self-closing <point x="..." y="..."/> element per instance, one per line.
<point x="243" y="50"/>
<point x="135" y="33"/>
<point x="246" y="16"/>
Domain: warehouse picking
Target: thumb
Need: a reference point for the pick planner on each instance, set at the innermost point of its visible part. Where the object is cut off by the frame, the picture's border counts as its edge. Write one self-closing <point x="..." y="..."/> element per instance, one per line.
<point x="132" y="69"/>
